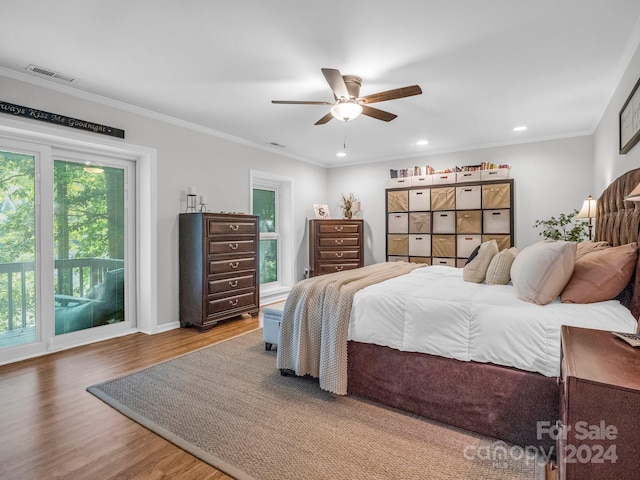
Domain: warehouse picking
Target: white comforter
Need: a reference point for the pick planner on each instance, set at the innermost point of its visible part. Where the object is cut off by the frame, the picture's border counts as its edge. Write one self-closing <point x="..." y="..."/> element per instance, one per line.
<point x="432" y="310"/>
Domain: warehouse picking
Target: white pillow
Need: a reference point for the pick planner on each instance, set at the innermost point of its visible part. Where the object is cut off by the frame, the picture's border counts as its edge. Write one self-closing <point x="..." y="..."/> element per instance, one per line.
<point x="541" y="271"/>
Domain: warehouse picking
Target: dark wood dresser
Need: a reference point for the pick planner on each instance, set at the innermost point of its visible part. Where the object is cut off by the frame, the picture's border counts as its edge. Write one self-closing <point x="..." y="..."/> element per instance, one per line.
<point x="219" y="258"/>
<point x="599" y="407"/>
<point x="335" y="245"/>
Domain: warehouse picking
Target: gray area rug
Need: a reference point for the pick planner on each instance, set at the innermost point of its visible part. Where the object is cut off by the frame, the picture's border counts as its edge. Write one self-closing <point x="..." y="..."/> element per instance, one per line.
<point x="228" y="405"/>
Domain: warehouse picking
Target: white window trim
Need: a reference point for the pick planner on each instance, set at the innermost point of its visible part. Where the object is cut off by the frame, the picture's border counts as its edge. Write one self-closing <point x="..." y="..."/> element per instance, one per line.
<point x="146" y="214"/>
<point x="283" y="185"/>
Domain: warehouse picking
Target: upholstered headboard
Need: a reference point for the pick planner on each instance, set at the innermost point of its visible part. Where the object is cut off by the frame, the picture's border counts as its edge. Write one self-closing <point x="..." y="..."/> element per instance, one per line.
<point x="618" y="222"/>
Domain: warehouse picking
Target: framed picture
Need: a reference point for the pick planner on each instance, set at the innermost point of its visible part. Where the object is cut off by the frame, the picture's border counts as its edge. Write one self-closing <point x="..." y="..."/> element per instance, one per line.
<point x="630" y="120"/>
<point x="322" y="211"/>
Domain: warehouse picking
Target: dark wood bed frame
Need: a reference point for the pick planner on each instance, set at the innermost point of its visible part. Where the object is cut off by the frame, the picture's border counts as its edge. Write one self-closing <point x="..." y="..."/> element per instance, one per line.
<point x="500" y="402"/>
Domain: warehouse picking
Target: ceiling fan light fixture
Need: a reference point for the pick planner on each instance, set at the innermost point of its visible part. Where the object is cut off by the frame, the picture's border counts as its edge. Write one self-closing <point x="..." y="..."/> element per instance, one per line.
<point x="346" y="110"/>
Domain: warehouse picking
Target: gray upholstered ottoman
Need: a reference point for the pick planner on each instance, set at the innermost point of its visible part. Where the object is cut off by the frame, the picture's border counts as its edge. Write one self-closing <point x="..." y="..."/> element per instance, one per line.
<point x="271" y="317"/>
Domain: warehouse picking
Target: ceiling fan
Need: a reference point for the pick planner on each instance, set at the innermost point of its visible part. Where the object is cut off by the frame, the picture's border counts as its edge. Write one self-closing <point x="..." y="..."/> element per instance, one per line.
<point x="349" y="104"/>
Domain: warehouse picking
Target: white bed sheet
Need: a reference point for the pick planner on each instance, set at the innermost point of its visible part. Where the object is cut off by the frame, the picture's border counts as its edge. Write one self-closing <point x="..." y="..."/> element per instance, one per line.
<point x="433" y="310"/>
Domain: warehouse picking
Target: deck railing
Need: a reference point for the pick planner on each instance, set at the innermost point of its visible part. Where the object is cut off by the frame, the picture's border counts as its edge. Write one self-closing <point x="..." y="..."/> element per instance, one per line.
<point x="73" y="277"/>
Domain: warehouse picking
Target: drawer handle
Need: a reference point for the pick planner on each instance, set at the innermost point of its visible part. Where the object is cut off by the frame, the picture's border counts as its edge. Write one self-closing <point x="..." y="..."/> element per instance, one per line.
<point x="419" y="193"/>
<point x="468" y="238"/>
<point x="495" y="213"/>
<point x="233" y="303"/>
<point x="234" y="264"/>
<point x="234" y="227"/>
<point x="339" y="268"/>
<point x="233" y="246"/>
<point x="444" y="214"/>
<point x="339" y="254"/>
<point x="467" y="216"/>
<point x="339" y="242"/>
<point x="338" y="229"/>
<point x="233" y="284"/>
<point x="418" y="238"/>
<point x="468" y="190"/>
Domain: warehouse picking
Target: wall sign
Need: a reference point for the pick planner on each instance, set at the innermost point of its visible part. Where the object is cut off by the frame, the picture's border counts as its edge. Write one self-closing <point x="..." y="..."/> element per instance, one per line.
<point x="34" y="114"/>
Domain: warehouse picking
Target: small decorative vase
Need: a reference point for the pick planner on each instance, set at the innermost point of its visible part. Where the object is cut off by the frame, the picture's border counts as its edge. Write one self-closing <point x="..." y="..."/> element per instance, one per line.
<point x="348" y="214"/>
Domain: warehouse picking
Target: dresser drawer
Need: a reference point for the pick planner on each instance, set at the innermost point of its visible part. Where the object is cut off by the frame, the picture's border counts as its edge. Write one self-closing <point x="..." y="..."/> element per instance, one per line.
<point x="398" y="201"/>
<point x="420" y="200"/>
<point x="328" y="242"/>
<point x="232" y="283"/>
<point x="233" y="265"/>
<point x="420" y="245"/>
<point x="231" y="303"/>
<point x="232" y="246"/>
<point x="338" y="255"/>
<point x="230" y="227"/>
<point x="398" y="222"/>
<point x="334" y="267"/>
<point x="341" y="229"/>
<point x="496" y="221"/>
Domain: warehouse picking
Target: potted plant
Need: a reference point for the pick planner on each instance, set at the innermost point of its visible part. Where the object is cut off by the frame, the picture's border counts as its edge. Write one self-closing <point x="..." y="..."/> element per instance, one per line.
<point x="564" y="227"/>
<point x="346" y="204"/>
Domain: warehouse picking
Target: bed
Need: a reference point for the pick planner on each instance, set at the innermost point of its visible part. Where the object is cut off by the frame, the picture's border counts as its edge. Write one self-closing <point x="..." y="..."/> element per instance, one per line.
<point x="451" y="379"/>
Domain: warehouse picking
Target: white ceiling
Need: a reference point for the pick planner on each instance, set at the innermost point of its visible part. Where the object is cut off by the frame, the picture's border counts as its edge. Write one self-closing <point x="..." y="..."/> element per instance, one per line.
<point x="485" y="66"/>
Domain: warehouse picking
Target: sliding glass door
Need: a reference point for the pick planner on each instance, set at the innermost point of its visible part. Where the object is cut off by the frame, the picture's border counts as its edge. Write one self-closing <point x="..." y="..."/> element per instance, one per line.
<point x="17" y="248"/>
<point x="67" y="236"/>
<point x="89" y="245"/>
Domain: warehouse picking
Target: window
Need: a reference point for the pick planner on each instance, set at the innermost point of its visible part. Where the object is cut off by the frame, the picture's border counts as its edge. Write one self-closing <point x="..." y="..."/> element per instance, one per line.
<point x="264" y="205"/>
<point x="271" y="199"/>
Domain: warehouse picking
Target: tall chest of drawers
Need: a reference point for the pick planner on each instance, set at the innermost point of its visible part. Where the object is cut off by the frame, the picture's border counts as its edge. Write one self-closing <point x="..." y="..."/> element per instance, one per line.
<point x="219" y="258"/>
<point x="335" y="245"/>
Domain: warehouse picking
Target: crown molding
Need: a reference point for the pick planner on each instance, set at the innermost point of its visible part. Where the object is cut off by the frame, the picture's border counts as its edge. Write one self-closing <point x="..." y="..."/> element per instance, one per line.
<point x="109" y="102"/>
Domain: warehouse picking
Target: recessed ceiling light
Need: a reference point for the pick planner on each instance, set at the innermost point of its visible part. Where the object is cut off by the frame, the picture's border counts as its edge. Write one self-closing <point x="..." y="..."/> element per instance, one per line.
<point x="341" y="154"/>
<point x="520" y="129"/>
<point x="422" y="142"/>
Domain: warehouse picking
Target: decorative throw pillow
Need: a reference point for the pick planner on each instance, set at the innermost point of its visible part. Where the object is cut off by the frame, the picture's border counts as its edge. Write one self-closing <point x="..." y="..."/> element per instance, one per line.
<point x="601" y="275"/>
<point x="475" y="270"/>
<point x="499" y="271"/>
<point x="587" y="247"/>
<point x="542" y="270"/>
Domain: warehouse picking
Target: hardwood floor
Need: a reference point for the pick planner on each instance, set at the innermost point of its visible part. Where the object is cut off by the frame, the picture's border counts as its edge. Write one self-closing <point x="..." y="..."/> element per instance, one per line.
<point x="51" y="427"/>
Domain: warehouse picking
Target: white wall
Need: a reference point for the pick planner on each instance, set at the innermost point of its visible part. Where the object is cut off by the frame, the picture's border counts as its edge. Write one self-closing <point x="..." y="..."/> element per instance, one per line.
<point x="551" y="177"/>
<point x="608" y="163"/>
<point x="216" y="167"/>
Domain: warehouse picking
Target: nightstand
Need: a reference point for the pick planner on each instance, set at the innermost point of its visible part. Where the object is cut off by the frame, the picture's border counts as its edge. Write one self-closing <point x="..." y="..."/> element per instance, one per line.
<point x="599" y="407"/>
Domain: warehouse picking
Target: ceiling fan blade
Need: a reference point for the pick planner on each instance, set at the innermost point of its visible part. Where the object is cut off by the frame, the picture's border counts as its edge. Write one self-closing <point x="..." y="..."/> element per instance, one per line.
<point x="391" y="94"/>
<point x="299" y="102"/>
<point x="336" y="82"/>
<point x="377" y="113"/>
<point x="324" y="119"/>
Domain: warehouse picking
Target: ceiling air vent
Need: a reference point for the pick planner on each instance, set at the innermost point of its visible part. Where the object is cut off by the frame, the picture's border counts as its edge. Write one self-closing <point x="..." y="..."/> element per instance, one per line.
<point x="50" y="73"/>
<point x="276" y="144"/>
